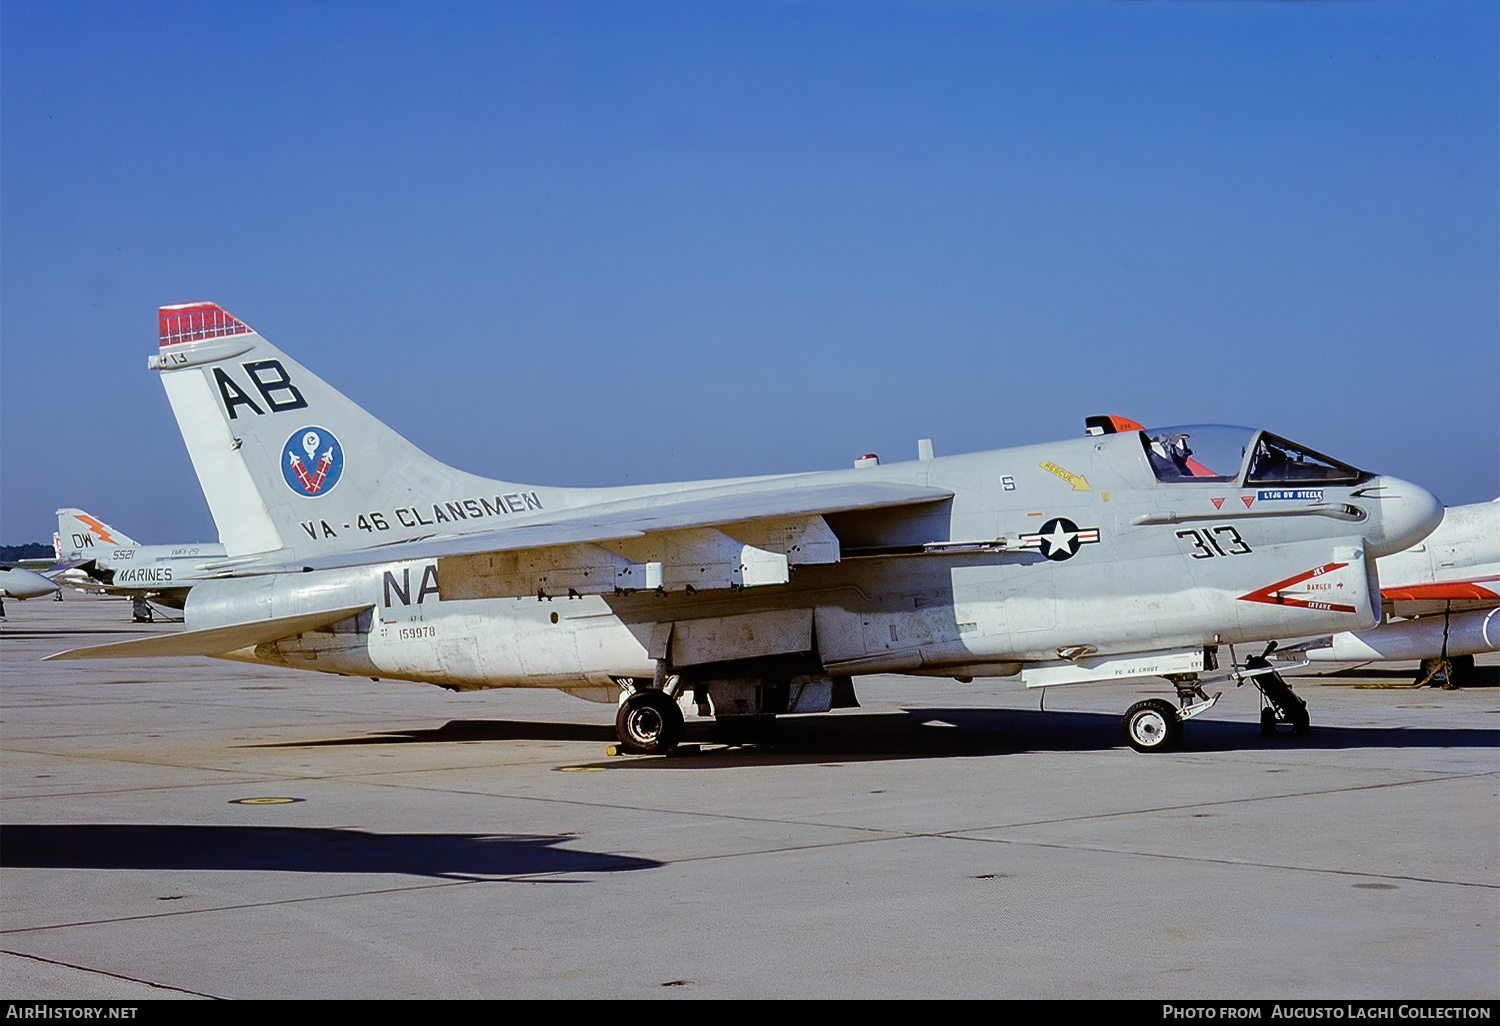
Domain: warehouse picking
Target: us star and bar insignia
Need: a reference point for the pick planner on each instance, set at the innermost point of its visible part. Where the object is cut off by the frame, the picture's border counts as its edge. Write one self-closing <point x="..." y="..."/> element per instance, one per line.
<point x="1060" y="538"/>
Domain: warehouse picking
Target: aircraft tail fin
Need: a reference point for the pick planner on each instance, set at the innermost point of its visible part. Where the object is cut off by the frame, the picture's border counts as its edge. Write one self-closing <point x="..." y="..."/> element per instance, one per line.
<point x="287" y="462"/>
<point x="81" y="535"/>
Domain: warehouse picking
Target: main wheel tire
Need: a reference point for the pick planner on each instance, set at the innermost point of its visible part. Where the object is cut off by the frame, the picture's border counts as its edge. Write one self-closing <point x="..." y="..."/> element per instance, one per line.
<point x="1268" y="722"/>
<point x="1432" y="673"/>
<point x="1153" y="726"/>
<point x="649" y="723"/>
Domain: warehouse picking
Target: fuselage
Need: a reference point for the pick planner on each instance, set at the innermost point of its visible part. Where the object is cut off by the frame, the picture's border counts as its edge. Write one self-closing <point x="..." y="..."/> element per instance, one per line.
<point x="1042" y="553"/>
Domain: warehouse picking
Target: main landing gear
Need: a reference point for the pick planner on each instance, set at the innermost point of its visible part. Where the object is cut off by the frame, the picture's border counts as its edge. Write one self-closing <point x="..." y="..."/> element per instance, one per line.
<point x="1448" y="674"/>
<point x="649" y="722"/>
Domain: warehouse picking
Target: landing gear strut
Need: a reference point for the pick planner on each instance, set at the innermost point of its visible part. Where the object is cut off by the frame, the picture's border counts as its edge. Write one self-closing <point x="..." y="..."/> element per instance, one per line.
<point x="649" y="722"/>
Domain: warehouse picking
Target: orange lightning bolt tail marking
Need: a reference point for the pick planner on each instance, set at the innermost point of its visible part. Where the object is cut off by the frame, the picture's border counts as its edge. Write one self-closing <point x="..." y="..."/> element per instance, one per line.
<point x="98" y="528"/>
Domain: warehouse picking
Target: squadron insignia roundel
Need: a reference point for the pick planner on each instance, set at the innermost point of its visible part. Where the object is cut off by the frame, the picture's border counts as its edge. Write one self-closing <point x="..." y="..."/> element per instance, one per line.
<point x="1060" y="538"/>
<point x="312" y="461"/>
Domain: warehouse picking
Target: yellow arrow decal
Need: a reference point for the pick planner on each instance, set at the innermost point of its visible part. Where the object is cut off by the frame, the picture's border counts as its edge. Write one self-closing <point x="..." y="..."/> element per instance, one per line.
<point x="1078" y="481"/>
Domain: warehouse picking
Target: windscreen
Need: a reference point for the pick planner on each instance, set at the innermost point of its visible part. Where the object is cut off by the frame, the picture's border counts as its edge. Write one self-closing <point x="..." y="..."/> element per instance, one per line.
<point x="1277" y="461"/>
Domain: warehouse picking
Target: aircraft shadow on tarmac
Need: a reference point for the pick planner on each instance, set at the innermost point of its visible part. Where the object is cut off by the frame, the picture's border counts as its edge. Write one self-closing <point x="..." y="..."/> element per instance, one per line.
<point x="462" y="731"/>
<point x="297" y="850"/>
<point x="13" y="631"/>
<point x="925" y="733"/>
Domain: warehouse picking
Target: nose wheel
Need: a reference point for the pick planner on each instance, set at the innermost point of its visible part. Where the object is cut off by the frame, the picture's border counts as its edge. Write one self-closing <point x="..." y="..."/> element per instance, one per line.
<point x="1153" y="726"/>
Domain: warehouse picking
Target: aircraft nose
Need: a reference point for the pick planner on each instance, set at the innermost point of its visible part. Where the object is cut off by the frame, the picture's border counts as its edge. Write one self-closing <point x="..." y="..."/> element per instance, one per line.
<point x="1407" y="513"/>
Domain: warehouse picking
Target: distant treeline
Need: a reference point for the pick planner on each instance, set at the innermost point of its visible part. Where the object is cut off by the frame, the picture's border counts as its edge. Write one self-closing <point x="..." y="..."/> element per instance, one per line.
<point x="31" y="550"/>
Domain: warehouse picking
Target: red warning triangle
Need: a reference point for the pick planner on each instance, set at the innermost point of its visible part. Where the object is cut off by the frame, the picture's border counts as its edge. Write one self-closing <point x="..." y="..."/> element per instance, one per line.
<point x="1247" y="500"/>
<point x="1218" y="503"/>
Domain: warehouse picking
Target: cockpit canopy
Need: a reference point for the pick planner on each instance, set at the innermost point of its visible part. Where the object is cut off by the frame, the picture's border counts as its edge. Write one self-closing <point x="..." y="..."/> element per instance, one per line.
<point x="1216" y="452"/>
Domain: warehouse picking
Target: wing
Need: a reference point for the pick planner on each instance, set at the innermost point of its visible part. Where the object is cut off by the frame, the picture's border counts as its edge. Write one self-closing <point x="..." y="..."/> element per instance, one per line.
<point x="680" y="530"/>
<point x="754" y="535"/>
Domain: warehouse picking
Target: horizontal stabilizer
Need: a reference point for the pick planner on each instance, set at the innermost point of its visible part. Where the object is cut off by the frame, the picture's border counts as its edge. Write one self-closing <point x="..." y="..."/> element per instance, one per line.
<point x="215" y="640"/>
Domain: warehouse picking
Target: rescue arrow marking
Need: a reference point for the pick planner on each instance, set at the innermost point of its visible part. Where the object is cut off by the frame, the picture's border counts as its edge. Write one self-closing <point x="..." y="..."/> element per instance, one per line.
<point x="1078" y="481"/>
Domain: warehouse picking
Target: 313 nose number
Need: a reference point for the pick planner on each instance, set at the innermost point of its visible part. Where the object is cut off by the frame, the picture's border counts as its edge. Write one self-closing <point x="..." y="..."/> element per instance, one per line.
<point x="1215" y="541"/>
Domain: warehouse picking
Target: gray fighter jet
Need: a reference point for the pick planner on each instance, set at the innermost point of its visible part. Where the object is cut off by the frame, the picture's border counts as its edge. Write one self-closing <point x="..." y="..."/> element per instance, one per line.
<point x="105" y="559"/>
<point x="1441" y="603"/>
<point x="1126" y="553"/>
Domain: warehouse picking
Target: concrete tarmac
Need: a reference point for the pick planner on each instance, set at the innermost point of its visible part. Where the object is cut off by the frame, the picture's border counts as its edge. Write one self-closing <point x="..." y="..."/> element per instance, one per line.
<point x="197" y="828"/>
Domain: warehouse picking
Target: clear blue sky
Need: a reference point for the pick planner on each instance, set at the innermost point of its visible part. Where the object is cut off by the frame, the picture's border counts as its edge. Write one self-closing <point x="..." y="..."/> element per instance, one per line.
<point x="599" y="243"/>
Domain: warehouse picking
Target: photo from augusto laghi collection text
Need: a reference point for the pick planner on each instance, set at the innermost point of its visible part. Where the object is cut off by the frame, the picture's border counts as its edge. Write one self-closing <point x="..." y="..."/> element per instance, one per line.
<point x="1328" y="1010"/>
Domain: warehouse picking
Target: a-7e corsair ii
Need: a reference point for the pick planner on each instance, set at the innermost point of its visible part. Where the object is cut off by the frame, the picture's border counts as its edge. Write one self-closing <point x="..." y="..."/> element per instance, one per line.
<point x="1123" y="554"/>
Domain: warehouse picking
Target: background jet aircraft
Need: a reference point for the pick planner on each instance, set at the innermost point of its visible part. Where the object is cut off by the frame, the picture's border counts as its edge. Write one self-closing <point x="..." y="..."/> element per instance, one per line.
<point x="111" y="561"/>
<point x="20" y="583"/>
<point x="1127" y="554"/>
<point x="1441" y="600"/>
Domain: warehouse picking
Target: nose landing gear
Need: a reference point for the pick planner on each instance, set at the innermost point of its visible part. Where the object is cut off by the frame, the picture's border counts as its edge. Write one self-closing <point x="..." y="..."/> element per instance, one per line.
<point x="1155" y="726"/>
